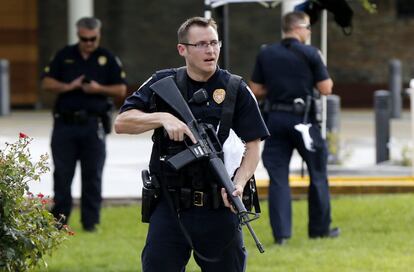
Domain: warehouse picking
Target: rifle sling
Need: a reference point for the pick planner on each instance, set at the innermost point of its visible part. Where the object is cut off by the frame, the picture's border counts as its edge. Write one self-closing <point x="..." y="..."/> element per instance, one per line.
<point x="227" y="110"/>
<point x="181" y="80"/>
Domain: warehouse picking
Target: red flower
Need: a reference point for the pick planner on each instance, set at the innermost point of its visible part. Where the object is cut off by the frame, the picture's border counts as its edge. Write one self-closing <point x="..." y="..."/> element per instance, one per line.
<point x="44" y="201"/>
<point x="22" y="135"/>
<point x="40" y="195"/>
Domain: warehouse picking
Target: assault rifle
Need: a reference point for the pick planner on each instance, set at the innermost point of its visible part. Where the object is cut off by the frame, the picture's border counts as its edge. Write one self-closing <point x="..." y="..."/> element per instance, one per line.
<point x="205" y="148"/>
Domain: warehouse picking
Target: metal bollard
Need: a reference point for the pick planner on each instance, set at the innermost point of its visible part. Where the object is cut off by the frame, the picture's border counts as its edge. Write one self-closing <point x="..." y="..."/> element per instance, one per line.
<point x="4" y="87"/>
<point x="382" y="105"/>
<point x="333" y="108"/>
<point x="395" y="87"/>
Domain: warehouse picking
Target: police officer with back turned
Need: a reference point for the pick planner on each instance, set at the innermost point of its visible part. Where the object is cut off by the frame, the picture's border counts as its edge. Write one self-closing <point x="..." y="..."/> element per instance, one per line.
<point x="84" y="76"/>
<point x="285" y="75"/>
<point x="193" y="212"/>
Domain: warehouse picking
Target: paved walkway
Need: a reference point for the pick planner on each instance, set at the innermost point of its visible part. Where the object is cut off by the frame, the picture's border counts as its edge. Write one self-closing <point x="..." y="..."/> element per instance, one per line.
<point x="127" y="155"/>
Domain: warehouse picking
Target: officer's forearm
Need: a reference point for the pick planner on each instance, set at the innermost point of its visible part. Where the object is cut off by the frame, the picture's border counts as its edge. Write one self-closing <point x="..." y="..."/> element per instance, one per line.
<point x="325" y="86"/>
<point x="249" y="163"/>
<point x="53" y="85"/>
<point x="136" y="122"/>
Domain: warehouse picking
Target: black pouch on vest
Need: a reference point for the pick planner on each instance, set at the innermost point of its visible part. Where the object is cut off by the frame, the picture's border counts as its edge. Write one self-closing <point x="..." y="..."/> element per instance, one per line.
<point x="299" y="107"/>
<point x="215" y="196"/>
<point x="185" y="198"/>
<point x="106" y="118"/>
<point x="150" y="195"/>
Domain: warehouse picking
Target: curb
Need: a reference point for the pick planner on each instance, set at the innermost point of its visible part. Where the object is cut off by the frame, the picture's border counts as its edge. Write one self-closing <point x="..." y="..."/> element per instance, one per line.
<point x="342" y="185"/>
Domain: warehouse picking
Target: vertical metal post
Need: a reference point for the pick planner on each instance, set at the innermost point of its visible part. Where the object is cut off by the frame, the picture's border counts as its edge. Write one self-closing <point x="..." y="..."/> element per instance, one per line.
<point x="382" y="106"/>
<point x="207" y="9"/>
<point x="333" y="109"/>
<point x="395" y="86"/>
<point x="223" y="27"/>
<point x="411" y="93"/>
<point x="4" y="87"/>
<point x="324" y="49"/>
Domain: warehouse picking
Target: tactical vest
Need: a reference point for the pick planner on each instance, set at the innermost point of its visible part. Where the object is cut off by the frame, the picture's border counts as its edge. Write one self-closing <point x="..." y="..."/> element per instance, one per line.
<point x="195" y="175"/>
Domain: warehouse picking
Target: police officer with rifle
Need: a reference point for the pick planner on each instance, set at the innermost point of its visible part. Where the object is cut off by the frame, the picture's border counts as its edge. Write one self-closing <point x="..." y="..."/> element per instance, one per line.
<point x="188" y="197"/>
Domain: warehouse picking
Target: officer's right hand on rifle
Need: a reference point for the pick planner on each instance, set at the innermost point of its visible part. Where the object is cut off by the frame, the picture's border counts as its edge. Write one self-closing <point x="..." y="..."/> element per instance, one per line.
<point x="237" y="192"/>
<point x="176" y="128"/>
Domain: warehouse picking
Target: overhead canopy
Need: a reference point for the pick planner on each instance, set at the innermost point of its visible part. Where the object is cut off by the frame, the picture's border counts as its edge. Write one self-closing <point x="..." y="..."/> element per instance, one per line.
<point x="218" y="3"/>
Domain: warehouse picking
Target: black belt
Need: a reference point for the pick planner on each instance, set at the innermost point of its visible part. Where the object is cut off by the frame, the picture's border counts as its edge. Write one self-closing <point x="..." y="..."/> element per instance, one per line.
<point x="293" y="108"/>
<point x="185" y="198"/>
<point x="75" y="117"/>
<point x="282" y="107"/>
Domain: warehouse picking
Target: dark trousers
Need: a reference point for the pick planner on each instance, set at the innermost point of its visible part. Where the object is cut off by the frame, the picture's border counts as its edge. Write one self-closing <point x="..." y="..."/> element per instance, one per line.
<point x="276" y="156"/>
<point x="84" y="143"/>
<point x="215" y="234"/>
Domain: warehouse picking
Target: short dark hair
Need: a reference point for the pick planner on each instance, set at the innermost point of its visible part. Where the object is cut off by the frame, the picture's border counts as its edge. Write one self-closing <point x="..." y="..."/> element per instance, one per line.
<point x="198" y="21"/>
<point x="89" y="23"/>
<point x="291" y="19"/>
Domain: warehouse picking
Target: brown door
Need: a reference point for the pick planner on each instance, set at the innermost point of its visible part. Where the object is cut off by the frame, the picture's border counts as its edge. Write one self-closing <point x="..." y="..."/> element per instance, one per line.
<point x="18" y="44"/>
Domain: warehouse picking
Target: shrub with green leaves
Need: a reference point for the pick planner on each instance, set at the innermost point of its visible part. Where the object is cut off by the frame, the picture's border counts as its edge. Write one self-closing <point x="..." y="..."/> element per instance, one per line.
<point x="28" y="230"/>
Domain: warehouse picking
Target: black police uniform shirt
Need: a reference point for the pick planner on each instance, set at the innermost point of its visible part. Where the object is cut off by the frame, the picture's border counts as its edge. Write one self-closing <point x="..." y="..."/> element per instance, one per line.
<point x="247" y="121"/>
<point x="289" y="73"/>
<point x="101" y="66"/>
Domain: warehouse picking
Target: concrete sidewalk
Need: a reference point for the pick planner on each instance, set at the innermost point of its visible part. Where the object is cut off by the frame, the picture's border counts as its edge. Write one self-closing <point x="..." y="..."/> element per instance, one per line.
<point x="127" y="155"/>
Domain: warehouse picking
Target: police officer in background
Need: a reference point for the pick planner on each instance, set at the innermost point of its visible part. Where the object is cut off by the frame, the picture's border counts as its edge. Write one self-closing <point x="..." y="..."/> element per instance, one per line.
<point x="285" y="74"/>
<point x="85" y="77"/>
<point x="213" y="229"/>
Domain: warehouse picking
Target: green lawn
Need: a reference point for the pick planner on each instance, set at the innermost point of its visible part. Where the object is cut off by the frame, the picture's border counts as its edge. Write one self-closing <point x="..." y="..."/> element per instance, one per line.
<point x="377" y="235"/>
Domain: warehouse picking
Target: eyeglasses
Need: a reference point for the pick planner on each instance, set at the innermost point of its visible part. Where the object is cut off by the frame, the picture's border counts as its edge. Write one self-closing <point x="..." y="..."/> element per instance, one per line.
<point x="204" y="45"/>
<point x="88" y="39"/>
<point x="307" y="26"/>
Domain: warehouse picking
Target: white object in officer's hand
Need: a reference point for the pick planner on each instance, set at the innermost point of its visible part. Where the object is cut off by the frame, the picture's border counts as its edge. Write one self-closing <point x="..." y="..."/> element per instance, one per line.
<point x="233" y="149"/>
<point x="307" y="139"/>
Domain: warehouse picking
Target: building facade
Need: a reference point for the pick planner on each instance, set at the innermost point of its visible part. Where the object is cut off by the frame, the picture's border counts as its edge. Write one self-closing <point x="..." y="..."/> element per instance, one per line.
<point x="143" y="35"/>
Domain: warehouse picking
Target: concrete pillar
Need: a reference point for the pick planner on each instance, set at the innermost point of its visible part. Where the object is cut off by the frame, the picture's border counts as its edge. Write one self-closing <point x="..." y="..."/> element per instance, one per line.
<point x="76" y="10"/>
<point x="382" y="104"/>
<point x="4" y="87"/>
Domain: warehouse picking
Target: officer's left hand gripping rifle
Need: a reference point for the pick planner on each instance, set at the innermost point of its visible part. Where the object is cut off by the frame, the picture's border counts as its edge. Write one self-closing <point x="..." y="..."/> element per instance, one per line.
<point x="205" y="148"/>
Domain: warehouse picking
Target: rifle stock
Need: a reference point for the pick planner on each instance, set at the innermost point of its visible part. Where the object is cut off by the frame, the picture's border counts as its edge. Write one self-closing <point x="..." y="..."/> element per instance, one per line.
<point x="168" y="91"/>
